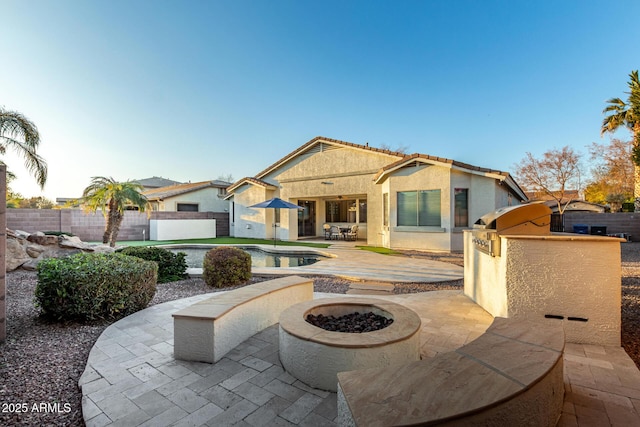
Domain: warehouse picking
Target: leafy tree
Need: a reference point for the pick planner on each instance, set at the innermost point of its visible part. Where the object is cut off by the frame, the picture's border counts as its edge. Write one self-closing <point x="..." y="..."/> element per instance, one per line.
<point x="113" y="198"/>
<point x="627" y="114"/>
<point x="38" y="202"/>
<point x="612" y="174"/>
<point x="554" y="175"/>
<point x="21" y="135"/>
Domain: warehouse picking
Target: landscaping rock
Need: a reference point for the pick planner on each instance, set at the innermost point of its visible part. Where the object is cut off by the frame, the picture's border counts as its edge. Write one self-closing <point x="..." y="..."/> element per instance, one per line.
<point x="26" y="250"/>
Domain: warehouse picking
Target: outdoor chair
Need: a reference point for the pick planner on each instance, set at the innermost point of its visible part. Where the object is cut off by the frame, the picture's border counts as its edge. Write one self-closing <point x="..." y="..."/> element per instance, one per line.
<point x="327" y="231"/>
<point x="335" y="232"/>
<point x="352" y="234"/>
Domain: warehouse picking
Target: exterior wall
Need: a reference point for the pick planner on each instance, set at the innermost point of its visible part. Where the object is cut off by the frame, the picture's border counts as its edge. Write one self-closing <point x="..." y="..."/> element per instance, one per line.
<point x="619" y="222"/>
<point x="176" y="229"/>
<point x="563" y="275"/>
<point x="252" y="222"/>
<point x="207" y="200"/>
<point x="421" y="178"/>
<point x="89" y="227"/>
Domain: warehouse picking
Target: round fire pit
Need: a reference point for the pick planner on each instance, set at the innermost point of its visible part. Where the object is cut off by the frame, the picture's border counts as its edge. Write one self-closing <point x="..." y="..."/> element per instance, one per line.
<point x="315" y="356"/>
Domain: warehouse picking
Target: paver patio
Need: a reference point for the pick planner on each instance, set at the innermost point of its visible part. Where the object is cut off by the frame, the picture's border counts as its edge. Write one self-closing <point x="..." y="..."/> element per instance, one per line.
<point x="131" y="378"/>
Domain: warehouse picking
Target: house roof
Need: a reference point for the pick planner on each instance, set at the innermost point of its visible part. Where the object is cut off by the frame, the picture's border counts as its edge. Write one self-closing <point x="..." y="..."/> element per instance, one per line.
<point x="402" y="160"/>
<point x="318" y="140"/>
<point x="178" y="189"/>
<point x="156" y="182"/>
<point x="250" y="180"/>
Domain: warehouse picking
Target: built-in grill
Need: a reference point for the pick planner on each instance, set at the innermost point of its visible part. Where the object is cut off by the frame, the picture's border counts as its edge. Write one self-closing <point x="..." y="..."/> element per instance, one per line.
<point x="533" y="219"/>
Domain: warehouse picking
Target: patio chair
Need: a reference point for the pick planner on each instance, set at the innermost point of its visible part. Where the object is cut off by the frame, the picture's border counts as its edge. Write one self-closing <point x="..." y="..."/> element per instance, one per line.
<point x="327" y="231"/>
<point x="335" y="232"/>
<point x="352" y="234"/>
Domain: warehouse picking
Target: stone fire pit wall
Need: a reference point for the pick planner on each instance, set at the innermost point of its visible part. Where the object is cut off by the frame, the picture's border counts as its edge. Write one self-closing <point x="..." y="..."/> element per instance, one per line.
<point x="315" y="356"/>
<point x="575" y="278"/>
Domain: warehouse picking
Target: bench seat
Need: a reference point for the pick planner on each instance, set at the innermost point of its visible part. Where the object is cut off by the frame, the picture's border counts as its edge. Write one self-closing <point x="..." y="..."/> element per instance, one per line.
<point x="510" y="375"/>
<point x="207" y="330"/>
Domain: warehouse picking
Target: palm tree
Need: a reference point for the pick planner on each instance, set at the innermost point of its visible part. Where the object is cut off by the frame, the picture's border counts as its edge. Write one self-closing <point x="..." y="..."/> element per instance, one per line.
<point x="20" y="134"/>
<point x="627" y="114"/>
<point x="113" y="198"/>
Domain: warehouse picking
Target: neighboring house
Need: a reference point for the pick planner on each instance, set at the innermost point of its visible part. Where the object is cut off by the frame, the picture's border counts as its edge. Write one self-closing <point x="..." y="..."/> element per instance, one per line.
<point x="205" y="196"/>
<point x="156" y="182"/>
<point x="398" y="201"/>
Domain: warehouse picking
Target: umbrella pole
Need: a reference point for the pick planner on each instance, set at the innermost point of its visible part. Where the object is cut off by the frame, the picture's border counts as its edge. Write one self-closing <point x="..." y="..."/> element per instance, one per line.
<point x="275" y="229"/>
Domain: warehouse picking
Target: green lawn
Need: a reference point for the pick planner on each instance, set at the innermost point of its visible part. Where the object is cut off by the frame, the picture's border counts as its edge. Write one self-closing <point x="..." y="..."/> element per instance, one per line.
<point x="378" y="250"/>
<point x="220" y="241"/>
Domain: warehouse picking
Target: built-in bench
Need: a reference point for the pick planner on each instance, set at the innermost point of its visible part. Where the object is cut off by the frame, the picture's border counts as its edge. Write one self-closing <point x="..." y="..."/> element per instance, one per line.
<point x="207" y="330"/>
<point x="512" y="375"/>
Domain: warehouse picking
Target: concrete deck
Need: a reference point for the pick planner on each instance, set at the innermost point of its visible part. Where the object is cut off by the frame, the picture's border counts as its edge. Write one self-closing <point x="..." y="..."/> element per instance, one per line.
<point x="132" y="379"/>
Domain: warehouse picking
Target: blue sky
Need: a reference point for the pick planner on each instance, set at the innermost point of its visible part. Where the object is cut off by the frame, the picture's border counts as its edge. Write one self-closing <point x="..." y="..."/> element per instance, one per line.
<point x="192" y="90"/>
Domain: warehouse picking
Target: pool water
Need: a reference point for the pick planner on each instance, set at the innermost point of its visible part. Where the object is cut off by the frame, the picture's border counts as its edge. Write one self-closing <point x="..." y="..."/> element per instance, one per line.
<point x="259" y="258"/>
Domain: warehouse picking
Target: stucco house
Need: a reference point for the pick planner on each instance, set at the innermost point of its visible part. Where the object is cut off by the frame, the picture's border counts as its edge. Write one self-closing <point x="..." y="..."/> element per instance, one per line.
<point x="398" y="201"/>
<point x="205" y="196"/>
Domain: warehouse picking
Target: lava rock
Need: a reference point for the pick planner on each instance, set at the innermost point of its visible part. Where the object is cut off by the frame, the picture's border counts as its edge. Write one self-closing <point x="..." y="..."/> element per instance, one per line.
<point x="351" y="323"/>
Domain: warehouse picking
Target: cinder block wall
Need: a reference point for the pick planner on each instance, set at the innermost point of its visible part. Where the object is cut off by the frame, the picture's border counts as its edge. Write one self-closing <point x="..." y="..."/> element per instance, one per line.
<point x="620" y="222"/>
<point x="90" y="226"/>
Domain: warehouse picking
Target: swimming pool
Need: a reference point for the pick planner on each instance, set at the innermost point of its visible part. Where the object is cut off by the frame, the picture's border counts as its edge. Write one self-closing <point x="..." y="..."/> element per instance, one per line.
<point x="259" y="258"/>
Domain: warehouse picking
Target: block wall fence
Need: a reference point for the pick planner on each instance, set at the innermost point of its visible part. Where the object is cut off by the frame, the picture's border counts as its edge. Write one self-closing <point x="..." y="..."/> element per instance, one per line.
<point x="620" y="222"/>
<point x="89" y="227"/>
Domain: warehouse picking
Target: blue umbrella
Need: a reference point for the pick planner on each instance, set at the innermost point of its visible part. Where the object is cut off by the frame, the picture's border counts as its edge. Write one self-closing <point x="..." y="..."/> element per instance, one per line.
<point x="276" y="203"/>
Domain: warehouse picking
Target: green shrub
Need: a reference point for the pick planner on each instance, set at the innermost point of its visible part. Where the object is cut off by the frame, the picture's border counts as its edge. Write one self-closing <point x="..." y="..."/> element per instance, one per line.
<point x="89" y="286"/>
<point x="226" y="266"/>
<point x="171" y="267"/>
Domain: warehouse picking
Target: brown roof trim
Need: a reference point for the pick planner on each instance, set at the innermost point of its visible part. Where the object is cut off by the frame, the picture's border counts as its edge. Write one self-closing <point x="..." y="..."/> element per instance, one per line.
<point x="249" y="180"/>
<point x="318" y="139"/>
<point x="456" y="163"/>
<point x="178" y="189"/>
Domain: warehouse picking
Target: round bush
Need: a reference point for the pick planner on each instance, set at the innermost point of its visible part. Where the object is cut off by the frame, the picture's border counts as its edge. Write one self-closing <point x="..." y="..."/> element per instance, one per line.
<point x="171" y="267"/>
<point x="89" y="286"/>
<point x="226" y="266"/>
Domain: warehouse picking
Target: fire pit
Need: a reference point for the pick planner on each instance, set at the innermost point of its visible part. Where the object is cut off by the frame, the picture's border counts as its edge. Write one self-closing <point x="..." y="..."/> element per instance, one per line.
<point x="315" y="356"/>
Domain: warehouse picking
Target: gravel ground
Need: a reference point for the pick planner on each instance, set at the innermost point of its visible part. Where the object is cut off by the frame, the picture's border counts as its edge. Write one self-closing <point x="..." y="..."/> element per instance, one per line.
<point x="41" y="362"/>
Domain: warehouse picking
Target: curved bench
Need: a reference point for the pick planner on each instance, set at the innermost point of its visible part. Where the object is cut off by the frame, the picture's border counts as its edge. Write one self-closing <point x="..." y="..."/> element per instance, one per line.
<point x="510" y="375"/>
<point x="209" y="329"/>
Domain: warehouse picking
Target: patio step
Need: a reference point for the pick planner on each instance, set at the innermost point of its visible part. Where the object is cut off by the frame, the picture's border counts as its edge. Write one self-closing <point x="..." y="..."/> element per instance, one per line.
<point x="371" y="288"/>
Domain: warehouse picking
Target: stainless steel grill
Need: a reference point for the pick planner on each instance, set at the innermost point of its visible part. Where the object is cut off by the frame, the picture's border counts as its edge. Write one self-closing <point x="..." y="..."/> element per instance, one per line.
<point x="532" y="219"/>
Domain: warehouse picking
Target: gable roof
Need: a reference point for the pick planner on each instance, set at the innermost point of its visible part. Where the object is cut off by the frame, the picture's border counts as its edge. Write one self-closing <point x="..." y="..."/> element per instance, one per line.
<point x="402" y="161"/>
<point x="319" y="140"/>
<point x="156" y="182"/>
<point x="178" y="189"/>
<point x="250" y="180"/>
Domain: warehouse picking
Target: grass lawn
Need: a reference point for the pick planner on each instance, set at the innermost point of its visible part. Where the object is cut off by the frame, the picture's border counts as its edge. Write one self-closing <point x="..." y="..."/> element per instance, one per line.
<point x="220" y="241"/>
<point x="378" y="250"/>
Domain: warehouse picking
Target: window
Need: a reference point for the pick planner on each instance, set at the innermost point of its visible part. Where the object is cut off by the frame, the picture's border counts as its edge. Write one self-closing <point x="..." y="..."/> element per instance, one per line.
<point x="461" y="207"/>
<point x="187" y="207"/>
<point x="362" y="214"/>
<point x="345" y="210"/>
<point x="419" y="208"/>
<point x="385" y="209"/>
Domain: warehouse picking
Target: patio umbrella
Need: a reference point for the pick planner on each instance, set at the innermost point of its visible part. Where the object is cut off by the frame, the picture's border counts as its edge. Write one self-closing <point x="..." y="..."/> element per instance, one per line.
<point x="276" y="203"/>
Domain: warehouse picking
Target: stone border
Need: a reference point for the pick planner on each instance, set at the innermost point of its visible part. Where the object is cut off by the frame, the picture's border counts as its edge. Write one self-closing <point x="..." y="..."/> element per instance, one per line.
<point x="207" y="330"/>
<point x="316" y="356"/>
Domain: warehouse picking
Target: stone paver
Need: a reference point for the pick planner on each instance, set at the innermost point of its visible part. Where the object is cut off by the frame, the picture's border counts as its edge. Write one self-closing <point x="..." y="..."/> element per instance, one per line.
<point x="131" y="378"/>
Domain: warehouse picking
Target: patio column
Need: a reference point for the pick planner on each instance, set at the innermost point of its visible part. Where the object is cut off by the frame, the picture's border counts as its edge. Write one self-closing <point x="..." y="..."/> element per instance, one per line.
<point x="3" y="249"/>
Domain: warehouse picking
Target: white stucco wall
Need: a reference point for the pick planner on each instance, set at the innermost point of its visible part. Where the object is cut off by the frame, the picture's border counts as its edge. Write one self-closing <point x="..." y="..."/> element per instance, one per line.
<point x="175" y="229"/>
<point x="251" y="222"/>
<point x="562" y="275"/>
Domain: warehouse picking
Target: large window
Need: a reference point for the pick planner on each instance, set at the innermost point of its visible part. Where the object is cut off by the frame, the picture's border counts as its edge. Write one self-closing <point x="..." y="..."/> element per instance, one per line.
<point x="345" y="211"/>
<point x="461" y="209"/>
<point x="419" y="208"/>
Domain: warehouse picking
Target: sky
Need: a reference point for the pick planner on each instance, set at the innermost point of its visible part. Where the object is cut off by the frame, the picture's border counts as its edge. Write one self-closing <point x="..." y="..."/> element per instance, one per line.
<point x="195" y="90"/>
